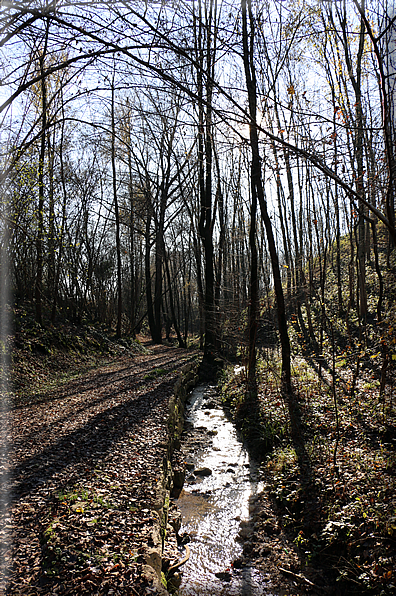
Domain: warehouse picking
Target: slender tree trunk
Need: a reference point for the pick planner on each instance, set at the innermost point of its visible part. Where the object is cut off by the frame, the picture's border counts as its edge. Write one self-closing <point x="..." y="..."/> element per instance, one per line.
<point x="256" y="175"/>
<point x="171" y="304"/>
<point x="253" y="286"/>
<point x="358" y="146"/>
<point x="378" y="270"/>
<point x="220" y="201"/>
<point x="290" y="202"/>
<point x="40" y="214"/>
<point x="132" y="276"/>
<point x="147" y="262"/>
<point x="279" y="192"/>
<point x="63" y="220"/>
<point x="206" y="58"/>
<point x="158" y="285"/>
<point x="51" y="219"/>
<point x="117" y="217"/>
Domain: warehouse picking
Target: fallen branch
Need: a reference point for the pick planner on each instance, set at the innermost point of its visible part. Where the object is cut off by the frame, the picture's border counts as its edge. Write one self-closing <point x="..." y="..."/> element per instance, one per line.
<point x="180" y="563"/>
<point x="297" y="576"/>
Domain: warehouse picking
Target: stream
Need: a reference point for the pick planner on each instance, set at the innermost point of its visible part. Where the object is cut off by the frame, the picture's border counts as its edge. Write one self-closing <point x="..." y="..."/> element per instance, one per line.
<point x="215" y="507"/>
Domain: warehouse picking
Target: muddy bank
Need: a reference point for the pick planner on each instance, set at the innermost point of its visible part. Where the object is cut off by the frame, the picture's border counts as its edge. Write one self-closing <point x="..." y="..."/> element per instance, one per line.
<point x="161" y="552"/>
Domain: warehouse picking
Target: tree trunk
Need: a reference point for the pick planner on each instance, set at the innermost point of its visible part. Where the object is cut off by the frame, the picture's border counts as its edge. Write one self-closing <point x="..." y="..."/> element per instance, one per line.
<point x="171" y="304"/>
<point x="293" y="409"/>
<point x="147" y="262"/>
<point x="206" y="58"/>
<point x="40" y="214"/>
<point x="63" y="221"/>
<point x="117" y="217"/>
<point x="257" y="182"/>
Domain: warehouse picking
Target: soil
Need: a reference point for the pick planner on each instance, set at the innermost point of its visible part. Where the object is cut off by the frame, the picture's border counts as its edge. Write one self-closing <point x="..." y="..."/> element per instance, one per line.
<point x="84" y="460"/>
<point x="80" y="477"/>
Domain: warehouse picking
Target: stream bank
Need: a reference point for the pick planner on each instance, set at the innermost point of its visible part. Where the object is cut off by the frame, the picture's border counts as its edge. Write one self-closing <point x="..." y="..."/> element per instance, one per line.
<point x="161" y="552"/>
<point x="220" y="507"/>
<point x="213" y="500"/>
<point x="216" y="503"/>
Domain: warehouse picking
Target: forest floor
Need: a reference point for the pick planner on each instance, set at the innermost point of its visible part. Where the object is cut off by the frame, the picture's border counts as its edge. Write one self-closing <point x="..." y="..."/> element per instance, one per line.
<point x="87" y="436"/>
<point x="327" y="515"/>
<point x="84" y="456"/>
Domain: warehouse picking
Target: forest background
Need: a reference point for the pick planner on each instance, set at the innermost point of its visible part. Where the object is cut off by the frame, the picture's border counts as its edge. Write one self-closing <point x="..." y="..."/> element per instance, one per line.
<point x="225" y="169"/>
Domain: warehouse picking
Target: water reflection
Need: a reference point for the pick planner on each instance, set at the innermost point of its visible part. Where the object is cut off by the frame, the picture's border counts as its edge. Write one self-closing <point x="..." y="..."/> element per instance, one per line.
<point x="214" y="506"/>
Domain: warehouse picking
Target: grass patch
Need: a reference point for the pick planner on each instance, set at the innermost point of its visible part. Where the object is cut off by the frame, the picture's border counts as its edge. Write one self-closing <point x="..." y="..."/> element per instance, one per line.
<point x="154" y="374"/>
<point x="81" y="500"/>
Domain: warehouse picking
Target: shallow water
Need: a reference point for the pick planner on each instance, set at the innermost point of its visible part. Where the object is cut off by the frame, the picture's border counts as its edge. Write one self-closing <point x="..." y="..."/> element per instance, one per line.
<point x="214" y="506"/>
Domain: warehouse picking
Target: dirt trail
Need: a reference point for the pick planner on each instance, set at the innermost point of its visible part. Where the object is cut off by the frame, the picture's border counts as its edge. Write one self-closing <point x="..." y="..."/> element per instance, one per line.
<point x="83" y="465"/>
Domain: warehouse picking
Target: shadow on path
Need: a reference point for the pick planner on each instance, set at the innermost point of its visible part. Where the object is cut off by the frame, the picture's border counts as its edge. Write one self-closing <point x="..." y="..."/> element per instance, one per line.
<point x="85" y="444"/>
<point x="84" y="419"/>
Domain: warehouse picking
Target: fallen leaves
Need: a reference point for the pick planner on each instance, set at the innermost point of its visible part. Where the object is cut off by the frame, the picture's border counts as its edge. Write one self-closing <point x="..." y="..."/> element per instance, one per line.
<point x="85" y="461"/>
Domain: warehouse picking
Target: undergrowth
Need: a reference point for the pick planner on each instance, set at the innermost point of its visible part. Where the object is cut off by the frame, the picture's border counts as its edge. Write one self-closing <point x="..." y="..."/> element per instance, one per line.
<point x="343" y="516"/>
<point x="45" y="357"/>
<point x="339" y="507"/>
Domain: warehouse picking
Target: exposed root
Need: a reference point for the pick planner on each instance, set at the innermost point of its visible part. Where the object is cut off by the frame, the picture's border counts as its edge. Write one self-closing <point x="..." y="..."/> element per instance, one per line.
<point x="172" y="569"/>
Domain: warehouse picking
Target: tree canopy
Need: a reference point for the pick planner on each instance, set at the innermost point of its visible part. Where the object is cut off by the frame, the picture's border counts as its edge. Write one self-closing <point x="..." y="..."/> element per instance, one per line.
<point x="128" y="130"/>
